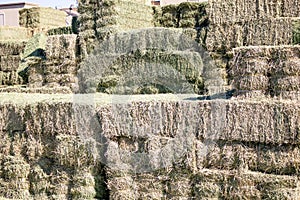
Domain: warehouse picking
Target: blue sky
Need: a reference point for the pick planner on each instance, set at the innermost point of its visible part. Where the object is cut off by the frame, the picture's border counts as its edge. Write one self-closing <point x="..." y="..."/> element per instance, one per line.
<point x="45" y="3"/>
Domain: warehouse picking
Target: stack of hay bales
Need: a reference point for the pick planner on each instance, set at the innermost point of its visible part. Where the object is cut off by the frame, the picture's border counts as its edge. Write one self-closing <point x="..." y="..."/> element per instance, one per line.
<point x="149" y="61"/>
<point x="40" y="19"/>
<point x="99" y="18"/>
<point x="153" y="147"/>
<point x="240" y="23"/>
<point x="60" y="30"/>
<point x="161" y="158"/>
<point x="10" y="57"/>
<point x="266" y="70"/>
<point x="183" y="15"/>
<point x="15" y="172"/>
<point x="60" y="66"/>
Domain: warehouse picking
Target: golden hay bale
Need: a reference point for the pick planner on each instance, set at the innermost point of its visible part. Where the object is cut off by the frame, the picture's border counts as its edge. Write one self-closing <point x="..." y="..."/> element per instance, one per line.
<point x="255" y="82"/>
<point x="15" y="168"/>
<point x="37" y="17"/>
<point x="14" y="34"/>
<point x="60" y="47"/>
<point x="54" y="67"/>
<point x="285" y="83"/>
<point x="72" y="152"/>
<point x="8" y="48"/>
<point x="9" y="63"/>
<point x="252" y="66"/>
<point x="39" y="181"/>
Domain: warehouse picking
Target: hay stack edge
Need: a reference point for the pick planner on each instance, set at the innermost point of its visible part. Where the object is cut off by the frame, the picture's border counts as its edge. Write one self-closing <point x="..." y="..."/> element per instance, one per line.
<point x="188" y="101"/>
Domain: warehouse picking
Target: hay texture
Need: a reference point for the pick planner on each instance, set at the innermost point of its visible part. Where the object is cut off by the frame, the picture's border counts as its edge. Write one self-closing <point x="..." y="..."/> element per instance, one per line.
<point x="14" y="33"/>
<point x="40" y="17"/>
<point x="255" y="32"/>
<point x="60" y="31"/>
<point x="99" y="19"/>
<point x="154" y="60"/>
<point x="241" y="11"/>
<point x="47" y="157"/>
<point x="58" y="67"/>
<point x="10" y="58"/>
<point x="272" y="70"/>
<point x="183" y="15"/>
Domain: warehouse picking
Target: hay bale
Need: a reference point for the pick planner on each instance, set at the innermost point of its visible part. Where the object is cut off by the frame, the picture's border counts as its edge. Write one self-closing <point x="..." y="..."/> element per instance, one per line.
<point x="59" y="188"/>
<point x="55" y="67"/>
<point x="39" y="181"/>
<point x="72" y="152"/>
<point x="9" y="63"/>
<point x="60" y="47"/>
<point x="10" y="78"/>
<point x="83" y="185"/>
<point x="8" y="48"/>
<point x="285" y="83"/>
<point x="60" y="30"/>
<point x="270" y="31"/>
<point x="40" y="17"/>
<point x="15" y="168"/>
<point x="240" y="11"/>
<point x="13" y="33"/>
<point x="256" y="82"/>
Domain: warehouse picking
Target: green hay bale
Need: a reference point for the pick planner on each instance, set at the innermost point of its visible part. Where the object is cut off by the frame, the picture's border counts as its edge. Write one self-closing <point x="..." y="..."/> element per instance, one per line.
<point x="35" y="46"/>
<point x="187" y="64"/>
<point x="107" y="21"/>
<point x="296" y="32"/>
<point x="60" y="31"/>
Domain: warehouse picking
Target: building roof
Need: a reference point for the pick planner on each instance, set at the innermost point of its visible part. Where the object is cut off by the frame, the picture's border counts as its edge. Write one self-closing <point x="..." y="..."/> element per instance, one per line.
<point x="17" y="3"/>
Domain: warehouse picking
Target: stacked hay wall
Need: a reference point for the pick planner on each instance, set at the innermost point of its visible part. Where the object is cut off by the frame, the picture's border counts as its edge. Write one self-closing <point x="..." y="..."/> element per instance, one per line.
<point x="240" y="23"/>
<point x="59" y="67"/>
<point x="40" y="19"/>
<point x="184" y="15"/>
<point x="99" y="18"/>
<point x="10" y="58"/>
<point x="154" y="60"/>
<point x="45" y="155"/>
<point x="267" y="70"/>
